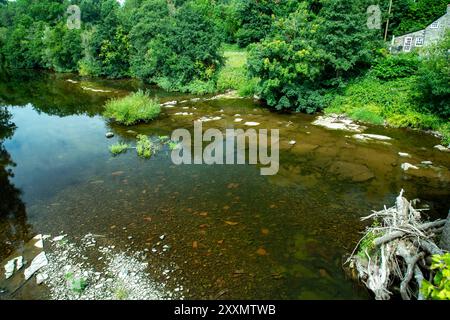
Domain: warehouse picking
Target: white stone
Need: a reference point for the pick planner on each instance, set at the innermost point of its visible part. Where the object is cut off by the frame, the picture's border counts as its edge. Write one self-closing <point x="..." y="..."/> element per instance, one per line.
<point x="237" y="120"/>
<point x="405" y="166"/>
<point x="367" y="136"/>
<point x="335" y="122"/>
<point x="427" y="163"/>
<point x="252" y="124"/>
<point x="169" y="103"/>
<point x="292" y="142"/>
<point x="376" y="136"/>
<point x="13" y="265"/>
<point x="59" y="238"/>
<point x="404" y="155"/>
<point x="38" y="262"/>
<point x="442" y="148"/>
<point x="41" y="277"/>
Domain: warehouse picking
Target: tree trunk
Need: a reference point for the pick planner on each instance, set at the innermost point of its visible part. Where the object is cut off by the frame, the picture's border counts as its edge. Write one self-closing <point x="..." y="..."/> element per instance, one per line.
<point x="445" y="238"/>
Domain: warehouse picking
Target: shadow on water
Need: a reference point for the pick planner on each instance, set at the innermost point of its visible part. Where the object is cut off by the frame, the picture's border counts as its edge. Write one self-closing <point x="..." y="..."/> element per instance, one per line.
<point x="14" y="230"/>
<point x="233" y="233"/>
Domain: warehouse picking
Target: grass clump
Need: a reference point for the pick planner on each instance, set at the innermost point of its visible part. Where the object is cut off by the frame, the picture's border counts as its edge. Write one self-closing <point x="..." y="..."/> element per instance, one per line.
<point x="134" y="108"/>
<point x="144" y="146"/>
<point x="118" y="148"/>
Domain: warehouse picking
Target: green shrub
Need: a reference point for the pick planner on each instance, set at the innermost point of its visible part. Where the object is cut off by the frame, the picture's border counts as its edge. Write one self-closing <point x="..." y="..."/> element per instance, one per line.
<point x="439" y="288"/>
<point x="144" y="146"/>
<point x="395" y="66"/>
<point x="118" y="148"/>
<point x="134" y="108"/>
<point x="434" y="80"/>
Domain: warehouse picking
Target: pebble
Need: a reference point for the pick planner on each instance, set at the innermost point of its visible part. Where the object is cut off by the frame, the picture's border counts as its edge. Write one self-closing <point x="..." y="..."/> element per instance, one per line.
<point x="109" y="135"/>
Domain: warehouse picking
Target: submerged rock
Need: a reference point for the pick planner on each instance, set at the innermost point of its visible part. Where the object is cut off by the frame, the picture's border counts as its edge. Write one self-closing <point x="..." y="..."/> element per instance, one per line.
<point x="351" y="171"/>
<point x="109" y="135"/>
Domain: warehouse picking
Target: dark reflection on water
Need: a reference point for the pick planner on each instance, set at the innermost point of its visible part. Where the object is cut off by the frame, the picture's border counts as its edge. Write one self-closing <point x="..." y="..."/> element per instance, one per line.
<point x="232" y="232"/>
<point x="14" y="229"/>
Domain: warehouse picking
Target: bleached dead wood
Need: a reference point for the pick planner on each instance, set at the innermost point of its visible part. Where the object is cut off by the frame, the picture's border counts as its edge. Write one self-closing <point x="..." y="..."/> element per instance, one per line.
<point x="399" y="250"/>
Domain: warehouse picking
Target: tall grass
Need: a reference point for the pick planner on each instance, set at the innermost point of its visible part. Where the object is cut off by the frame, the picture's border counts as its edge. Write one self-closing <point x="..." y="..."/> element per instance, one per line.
<point x="134" y="108"/>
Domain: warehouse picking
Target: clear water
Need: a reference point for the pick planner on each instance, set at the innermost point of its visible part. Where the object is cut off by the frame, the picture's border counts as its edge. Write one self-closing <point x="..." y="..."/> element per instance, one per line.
<point x="289" y="231"/>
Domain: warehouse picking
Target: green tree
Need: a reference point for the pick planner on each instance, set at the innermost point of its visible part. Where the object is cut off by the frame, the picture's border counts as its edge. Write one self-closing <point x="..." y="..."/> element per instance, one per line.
<point x="310" y="54"/>
<point x="62" y="48"/>
<point x="434" y="79"/>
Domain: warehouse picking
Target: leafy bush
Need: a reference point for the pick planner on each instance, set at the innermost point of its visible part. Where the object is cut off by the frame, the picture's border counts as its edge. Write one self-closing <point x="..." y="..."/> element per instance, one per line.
<point x="434" y="79"/>
<point x="298" y="67"/>
<point x="439" y="288"/>
<point x="118" y="148"/>
<point x="395" y="66"/>
<point x="134" y="108"/>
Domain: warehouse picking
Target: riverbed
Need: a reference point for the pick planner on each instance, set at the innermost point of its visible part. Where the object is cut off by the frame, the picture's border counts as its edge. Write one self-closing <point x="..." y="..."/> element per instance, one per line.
<point x="231" y="232"/>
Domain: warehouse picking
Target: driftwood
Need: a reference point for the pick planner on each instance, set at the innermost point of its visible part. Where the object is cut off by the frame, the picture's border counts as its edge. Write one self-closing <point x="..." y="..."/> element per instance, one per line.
<point x="395" y="251"/>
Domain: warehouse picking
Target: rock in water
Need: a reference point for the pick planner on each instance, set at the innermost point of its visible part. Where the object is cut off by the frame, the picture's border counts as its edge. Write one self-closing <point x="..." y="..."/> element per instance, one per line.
<point x="442" y="148"/>
<point x="38" y="262"/>
<point x="404" y="155"/>
<point x="13" y="264"/>
<point x="405" y="166"/>
<point x="109" y="135"/>
<point x="336" y="122"/>
<point x="368" y="136"/>
<point x="252" y="124"/>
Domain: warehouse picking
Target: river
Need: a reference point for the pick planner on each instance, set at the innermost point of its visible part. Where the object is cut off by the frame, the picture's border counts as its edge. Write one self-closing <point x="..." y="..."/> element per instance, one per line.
<point x="232" y="233"/>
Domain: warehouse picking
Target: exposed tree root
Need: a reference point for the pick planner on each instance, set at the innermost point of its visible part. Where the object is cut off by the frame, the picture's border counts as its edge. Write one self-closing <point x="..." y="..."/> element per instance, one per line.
<point x="396" y="250"/>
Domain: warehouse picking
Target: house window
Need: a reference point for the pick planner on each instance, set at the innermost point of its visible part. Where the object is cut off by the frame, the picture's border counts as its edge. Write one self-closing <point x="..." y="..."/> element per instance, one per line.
<point x="407" y="44"/>
<point x="435" y="25"/>
<point x="419" y="41"/>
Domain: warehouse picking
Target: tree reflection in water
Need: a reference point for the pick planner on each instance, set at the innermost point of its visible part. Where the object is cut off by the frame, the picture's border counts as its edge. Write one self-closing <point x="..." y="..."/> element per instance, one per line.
<point x="14" y="229"/>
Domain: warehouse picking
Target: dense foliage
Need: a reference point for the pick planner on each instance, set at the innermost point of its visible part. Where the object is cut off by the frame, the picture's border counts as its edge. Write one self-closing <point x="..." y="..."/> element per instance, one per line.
<point x="439" y="287"/>
<point x="310" y="54"/>
<point x="172" y="42"/>
<point x="303" y="55"/>
<point x="434" y="79"/>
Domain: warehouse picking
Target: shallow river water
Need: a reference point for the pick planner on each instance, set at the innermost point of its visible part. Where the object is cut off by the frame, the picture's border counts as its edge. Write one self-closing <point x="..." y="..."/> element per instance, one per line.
<point x="232" y="232"/>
